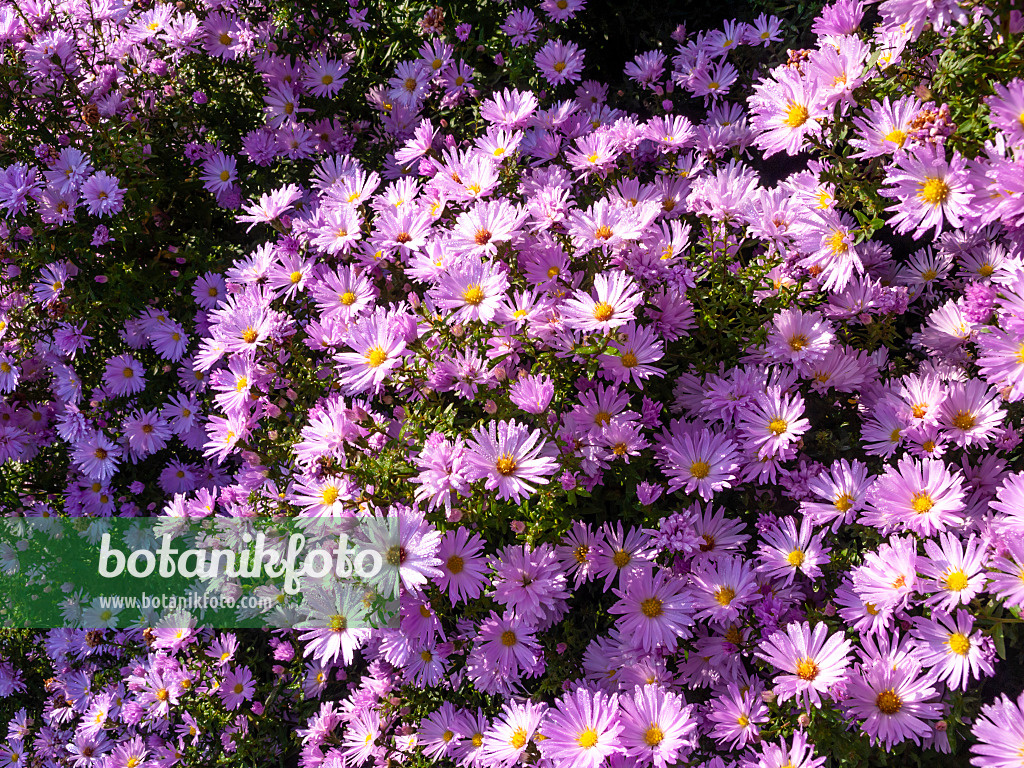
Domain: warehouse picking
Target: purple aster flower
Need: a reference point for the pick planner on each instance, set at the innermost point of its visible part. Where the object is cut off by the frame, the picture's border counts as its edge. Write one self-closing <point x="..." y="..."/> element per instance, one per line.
<point x="1000" y="733"/>
<point x="509" y="458"/>
<point x="101" y="195"/>
<point x="654" y="610"/>
<point x="657" y="726"/>
<point x="582" y="729"/>
<point x="813" y="660"/>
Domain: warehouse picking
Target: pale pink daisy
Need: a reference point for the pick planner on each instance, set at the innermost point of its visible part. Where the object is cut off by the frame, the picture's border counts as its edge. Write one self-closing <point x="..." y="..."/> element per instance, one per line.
<point x="815" y="661"/>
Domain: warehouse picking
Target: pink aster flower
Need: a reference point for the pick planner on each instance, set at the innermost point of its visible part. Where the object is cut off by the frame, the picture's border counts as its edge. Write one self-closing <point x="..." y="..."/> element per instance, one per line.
<point x="582" y="729"/>
<point x="610" y="304"/>
<point x="509" y="458"/>
<point x="559" y="62"/>
<point x="379" y="347"/>
<point x="530" y="581"/>
<point x="272" y="206"/>
<point x="951" y="649"/>
<point x="798" y="336"/>
<point x="928" y="190"/>
<point x="698" y="461"/>
<point x="237" y="687"/>
<point x="787" y="551"/>
<point x="1001" y="360"/>
<point x="124" y="375"/>
<point x="844" y="490"/>
<point x="785" y="110"/>
<point x="999" y="730"/>
<point x="473" y="290"/>
<point x="921" y="496"/>
<point x="96" y="456"/>
<point x="333" y="627"/>
<point x="1007" y="110"/>
<point x="607" y="224"/>
<point x="532" y="393"/>
<point x="463" y="569"/>
<point x="814" y="660"/>
<point x="654" y="609"/>
<point x="736" y="714"/>
<point x="512" y="732"/>
<point x="487" y="223"/>
<point x="509" y="108"/>
<point x="799" y="754"/>
<point x="894" y="701"/>
<point x="637" y="346"/>
<point x="657" y="726"/>
<point x="971" y="413"/>
<point x="102" y="195"/>
<point x="954" y="571"/>
<point x="774" y="422"/>
<point x="888" y="577"/>
<point x="147" y="432"/>
<point x="723" y="587"/>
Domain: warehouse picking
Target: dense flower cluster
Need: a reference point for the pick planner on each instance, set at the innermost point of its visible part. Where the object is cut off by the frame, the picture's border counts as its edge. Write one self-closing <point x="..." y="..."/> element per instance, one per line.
<point x="692" y="467"/>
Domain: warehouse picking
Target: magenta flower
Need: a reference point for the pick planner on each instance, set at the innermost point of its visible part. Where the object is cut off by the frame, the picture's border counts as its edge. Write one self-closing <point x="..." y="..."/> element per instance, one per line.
<point x="237" y="687"/>
<point x="814" y="660"/>
<point x="657" y="726"/>
<point x="582" y="729"/>
<point x="928" y="190"/>
<point x="510" y="459"/>
<point x="654" y="610"/>
<point x="102" y="195"/>
<point x="1000" y="733"/>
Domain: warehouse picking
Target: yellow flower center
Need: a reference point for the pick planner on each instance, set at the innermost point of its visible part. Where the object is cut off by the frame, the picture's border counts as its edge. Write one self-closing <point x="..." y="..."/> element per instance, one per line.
<point x="506" y="464"/>
<point x="798" y="342"/>
<point x="959" y="644"/>
<point x="376" y="357"/>
<point x="518" y="740"/>
<point x="587" y="739"/>
<point x="778" y="426"/>
<point x="700" y="469"/>
<point x="653" y="735"/>
<point x="933" y="191"/>
<point x="896" y="136"/>
<point x="508" y="638"/>
<point x="888" y="702"/>
<point x="843" y="502"/>
<point x="795" y="558"/>
<point x="956" y="581"/>
<point x="473" y="295"/>
<point x="796" y="115"/>
<point x="447" y="736"/>
<point x="921" y="503"/>
<point x="603" y="311"/>
<point x="652" y="607"/>
<point x="249" y="335"/>
<point x="338" y="623"/>
<point x="837" y="242"/>
<point x="964" y="420"/>
<point x="724" y="595"/>
<point x="629" y="360"/>
<point x="806" y="669"/>
<point x="604" y="232"/>
<point x="455" y="564"/>
<point x="621" y="558"/>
